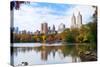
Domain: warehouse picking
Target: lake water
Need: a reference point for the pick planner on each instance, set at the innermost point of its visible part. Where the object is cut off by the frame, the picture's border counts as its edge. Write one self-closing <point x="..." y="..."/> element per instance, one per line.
<point x="38" y="53"/>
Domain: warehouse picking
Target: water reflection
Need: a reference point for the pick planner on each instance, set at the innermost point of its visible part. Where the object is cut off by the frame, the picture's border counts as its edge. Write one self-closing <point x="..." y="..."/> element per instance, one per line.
<point x="49" y="54"/>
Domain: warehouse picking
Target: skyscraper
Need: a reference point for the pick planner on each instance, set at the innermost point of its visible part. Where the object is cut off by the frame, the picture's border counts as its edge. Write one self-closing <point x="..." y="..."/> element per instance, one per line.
<point x="76" y="22"/>
<point x="53" y="28"/>
<point x="49" y="30"/>
<point x="44" y="28"/>
<point x="79" y="20"/>
<point x="61" y="28"/>
<point x="73" y="19"/>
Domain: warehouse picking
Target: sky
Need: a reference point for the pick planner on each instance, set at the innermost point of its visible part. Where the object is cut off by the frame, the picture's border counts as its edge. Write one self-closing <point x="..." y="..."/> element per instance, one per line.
<point x="30" y="16"/>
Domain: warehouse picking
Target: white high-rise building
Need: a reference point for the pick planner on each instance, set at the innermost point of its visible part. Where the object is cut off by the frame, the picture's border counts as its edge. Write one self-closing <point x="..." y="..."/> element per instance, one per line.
<point x="79" y="20"/>
<point x="76" y="22"/>
<point x="61" y="28"/>
<point x="73" y="23"/>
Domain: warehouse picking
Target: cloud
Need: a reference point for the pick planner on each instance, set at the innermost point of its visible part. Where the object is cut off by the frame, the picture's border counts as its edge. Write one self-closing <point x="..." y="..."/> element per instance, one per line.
<point x="30" y="16"/>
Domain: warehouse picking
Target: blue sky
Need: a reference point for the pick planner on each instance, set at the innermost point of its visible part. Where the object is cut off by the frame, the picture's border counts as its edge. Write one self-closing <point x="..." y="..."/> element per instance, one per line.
<point x="30" y="16"/>
<point x="58" y="9"/>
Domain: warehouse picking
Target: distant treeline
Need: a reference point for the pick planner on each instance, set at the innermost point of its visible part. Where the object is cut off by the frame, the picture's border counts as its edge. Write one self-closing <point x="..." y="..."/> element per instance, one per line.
<point x="86" y="34"/>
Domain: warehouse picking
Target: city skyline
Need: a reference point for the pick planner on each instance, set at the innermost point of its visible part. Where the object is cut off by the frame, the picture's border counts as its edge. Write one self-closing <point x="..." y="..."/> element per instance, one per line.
<point x="44" y="29"/>
<point x="30" y="16"/>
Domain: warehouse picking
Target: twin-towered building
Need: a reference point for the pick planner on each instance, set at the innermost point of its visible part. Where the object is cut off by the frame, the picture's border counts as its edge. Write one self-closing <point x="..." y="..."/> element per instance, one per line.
<point x="76" y="22"/>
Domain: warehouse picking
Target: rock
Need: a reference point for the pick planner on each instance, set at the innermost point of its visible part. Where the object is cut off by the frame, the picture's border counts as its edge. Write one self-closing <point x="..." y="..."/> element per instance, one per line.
<point x="88" y="56"/>
<point x="93" y="54"/>
<point x="87" y="52"/>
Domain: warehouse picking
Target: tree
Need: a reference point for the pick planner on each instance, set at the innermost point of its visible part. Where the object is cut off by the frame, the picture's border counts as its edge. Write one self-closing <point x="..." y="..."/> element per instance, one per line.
<point x="69" y="37"/>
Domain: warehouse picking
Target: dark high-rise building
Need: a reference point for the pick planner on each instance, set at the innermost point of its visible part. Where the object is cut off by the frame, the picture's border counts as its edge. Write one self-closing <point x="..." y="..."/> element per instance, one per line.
<point x="49" y="30"/>
<point x="41" y="27"/>
<point x="53" y="28"/>
<point x="44" y="28"/>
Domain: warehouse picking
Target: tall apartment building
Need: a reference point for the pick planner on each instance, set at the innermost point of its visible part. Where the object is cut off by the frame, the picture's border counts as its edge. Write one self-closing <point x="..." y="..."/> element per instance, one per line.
<point x="44" y="28"/>
<point x="76" y="22"/>
<point x="61" y="28"/>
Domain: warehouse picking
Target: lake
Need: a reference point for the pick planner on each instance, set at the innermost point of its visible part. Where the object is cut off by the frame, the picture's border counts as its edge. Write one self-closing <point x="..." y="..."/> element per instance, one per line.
<point x="41" y="53"/>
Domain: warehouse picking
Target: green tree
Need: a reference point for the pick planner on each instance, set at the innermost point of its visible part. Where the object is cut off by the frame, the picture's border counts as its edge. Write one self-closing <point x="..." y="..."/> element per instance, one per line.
<point x="69" y="37"/>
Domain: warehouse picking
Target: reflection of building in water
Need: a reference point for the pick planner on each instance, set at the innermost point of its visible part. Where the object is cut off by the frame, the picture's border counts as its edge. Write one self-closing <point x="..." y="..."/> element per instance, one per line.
<point x="60" y="54"/>
<point x="51" y="51"/>
<point x="54" y="53"/>
<point x="75" y="59"/>
<point x="21" y="50"/>
<point x="44" y="55"/>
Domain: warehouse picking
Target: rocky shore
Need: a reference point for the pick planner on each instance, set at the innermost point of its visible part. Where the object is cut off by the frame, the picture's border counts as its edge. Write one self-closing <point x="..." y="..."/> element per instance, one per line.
<point x="88" y="56"/>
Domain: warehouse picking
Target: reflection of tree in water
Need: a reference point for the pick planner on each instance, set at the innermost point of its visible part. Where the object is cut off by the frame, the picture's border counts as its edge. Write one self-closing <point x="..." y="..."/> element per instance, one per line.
<point x="88" y="52"/>
<point x="62" y="50"/>
<point x="47" y="50"/>
<point x="17" y="50"/>
<point x="72" y="50"/>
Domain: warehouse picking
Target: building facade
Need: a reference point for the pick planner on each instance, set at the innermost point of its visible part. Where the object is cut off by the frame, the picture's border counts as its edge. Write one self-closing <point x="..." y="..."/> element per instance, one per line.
<point x="79" y="20"/>
<point x="76" y="22"/>
<point x="73" y="22"/>
<point x="61" y="28"/>
<point x="44" y="28"/>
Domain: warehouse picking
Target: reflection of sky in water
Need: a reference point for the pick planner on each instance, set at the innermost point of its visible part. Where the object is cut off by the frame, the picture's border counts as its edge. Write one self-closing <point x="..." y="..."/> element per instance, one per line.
<point x="34" y="44"/>
<point x="39" y="55"/>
